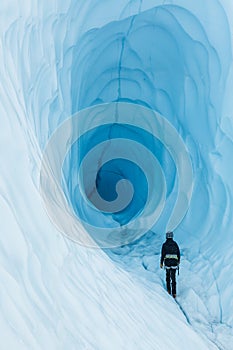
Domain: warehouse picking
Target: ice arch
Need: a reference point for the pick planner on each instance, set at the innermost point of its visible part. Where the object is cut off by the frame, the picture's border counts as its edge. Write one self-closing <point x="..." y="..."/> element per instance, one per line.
<point x="169" y="56"/>
<point x="172" y="59"/>
<point x="132" y="60"/>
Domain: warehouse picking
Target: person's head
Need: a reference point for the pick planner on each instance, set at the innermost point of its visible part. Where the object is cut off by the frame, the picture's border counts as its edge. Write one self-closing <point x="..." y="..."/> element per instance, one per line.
<point x="169" y="234"/>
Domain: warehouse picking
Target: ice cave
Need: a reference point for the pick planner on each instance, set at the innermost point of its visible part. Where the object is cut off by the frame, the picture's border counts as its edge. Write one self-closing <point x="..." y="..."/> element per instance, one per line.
<point x="116" y="126"/>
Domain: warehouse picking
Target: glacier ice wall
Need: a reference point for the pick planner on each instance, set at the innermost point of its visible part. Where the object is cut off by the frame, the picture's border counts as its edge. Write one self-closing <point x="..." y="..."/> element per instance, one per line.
<point x="122" y="66"/>
<point x="167" y="56"/>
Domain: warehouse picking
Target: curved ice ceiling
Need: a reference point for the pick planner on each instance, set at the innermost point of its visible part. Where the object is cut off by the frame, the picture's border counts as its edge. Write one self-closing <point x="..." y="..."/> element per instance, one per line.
<point x="174" y="59"/>
<point x="169" y="59"/>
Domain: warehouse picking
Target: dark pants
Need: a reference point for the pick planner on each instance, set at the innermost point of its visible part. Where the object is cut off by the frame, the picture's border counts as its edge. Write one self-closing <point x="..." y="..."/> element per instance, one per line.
<point x="171" y="276"/>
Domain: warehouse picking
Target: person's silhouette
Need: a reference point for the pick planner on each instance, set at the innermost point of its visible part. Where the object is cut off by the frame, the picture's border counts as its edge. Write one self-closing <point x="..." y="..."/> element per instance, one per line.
<point x="170" y="257"/>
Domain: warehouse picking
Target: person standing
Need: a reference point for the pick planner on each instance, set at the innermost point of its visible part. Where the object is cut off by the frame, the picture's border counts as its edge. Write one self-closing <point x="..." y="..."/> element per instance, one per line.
<point x="170" y="258"/>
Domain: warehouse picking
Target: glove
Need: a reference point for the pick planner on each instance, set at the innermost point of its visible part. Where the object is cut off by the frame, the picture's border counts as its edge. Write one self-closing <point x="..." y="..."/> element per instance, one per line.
<point x="161" y="266"/>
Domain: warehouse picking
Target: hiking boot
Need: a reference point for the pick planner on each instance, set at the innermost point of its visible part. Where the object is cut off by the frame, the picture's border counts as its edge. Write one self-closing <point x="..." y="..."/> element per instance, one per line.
<point x="174" y="296"/>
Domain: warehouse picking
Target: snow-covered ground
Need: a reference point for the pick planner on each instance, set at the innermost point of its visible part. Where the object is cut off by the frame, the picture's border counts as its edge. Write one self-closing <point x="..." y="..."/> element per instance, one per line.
<point x="58" y="58"/>
<point x="198" y="287"/>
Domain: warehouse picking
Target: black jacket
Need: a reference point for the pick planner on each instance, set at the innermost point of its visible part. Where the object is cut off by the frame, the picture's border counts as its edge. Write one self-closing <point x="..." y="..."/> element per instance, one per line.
<point x="170" y="247"/>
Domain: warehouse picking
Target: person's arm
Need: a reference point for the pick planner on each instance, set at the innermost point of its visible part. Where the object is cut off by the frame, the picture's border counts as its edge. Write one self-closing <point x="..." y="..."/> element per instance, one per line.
<point x="178" y="253"/>
<point x="162" y="256"/>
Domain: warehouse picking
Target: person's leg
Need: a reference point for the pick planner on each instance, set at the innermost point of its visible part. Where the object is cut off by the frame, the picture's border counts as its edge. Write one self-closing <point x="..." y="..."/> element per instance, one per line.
<point x="173" y="278"/>
<point x="168" y="280"/>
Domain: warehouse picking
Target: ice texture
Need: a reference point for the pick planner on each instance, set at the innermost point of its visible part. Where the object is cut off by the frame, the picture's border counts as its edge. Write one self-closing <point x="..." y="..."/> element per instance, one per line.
<point x="167" y="60"/>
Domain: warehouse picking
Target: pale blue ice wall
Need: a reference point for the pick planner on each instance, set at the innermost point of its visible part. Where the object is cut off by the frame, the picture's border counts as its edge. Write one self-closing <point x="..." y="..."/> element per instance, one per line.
<point x="62" y="56"/>
<point x="172" y="58"/>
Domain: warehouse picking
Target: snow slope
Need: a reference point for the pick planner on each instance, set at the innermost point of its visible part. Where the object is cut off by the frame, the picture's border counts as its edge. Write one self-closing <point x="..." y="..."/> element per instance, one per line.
<point x="59" y="58"/>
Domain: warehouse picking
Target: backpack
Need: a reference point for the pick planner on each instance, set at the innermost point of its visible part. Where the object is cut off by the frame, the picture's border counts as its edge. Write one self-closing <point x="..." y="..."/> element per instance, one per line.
<point x="172" y="254"/>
